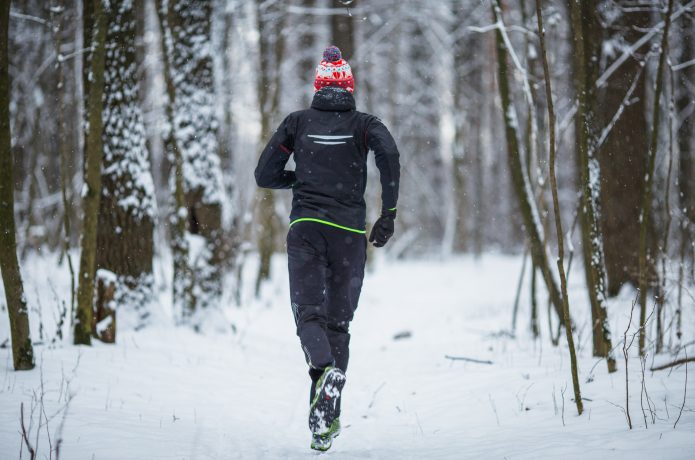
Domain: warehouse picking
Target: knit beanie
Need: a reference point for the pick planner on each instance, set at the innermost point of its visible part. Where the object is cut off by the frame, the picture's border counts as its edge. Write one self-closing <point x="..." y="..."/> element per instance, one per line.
<point x="333" y="71"/>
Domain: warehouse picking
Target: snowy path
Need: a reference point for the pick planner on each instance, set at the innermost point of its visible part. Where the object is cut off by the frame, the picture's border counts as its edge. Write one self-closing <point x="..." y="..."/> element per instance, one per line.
<point x="167" y="393"/>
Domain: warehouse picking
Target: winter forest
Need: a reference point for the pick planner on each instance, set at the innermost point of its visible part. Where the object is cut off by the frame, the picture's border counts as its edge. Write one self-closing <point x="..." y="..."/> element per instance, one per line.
<point x="536" y="300"/>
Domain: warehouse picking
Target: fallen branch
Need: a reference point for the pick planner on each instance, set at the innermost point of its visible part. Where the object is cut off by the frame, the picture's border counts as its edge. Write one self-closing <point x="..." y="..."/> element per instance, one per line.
<point x="470" y="360"/>
<point x="677" y="362"/>
<point x="374" y="395"/>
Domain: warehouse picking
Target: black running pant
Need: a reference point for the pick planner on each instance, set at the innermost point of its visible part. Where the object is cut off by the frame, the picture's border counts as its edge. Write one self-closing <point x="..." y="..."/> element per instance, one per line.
<point x="326" y="266"/>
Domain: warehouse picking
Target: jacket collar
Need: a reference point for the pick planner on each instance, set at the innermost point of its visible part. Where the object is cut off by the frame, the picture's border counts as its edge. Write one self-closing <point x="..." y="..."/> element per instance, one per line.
<point x="333" y="99"/>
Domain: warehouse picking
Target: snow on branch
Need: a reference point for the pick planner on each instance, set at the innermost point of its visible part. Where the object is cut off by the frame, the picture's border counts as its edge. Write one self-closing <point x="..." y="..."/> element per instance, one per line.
<point x="27" y="17"/>
<point x="495" y="26"/>
<point x="683" y="65"/>
<point x="499" y="25"/>
<point x="318" y="11"/>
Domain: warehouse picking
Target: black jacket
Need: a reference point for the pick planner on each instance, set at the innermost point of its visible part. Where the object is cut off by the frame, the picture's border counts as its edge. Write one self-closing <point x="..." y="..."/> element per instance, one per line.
<point x="330" y="142"/>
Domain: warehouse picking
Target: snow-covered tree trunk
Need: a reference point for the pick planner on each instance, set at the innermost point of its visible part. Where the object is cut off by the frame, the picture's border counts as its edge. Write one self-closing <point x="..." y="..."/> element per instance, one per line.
<point x="127" y="205"/>
<point x="22" y="350"/>
<point x="95" y="16"/>
<point x="585" y="45"/>
<point x="270" y="17"/>
<point x="517" y="168"/>
<point x="224" y="30"/>
<point x="188" y="49"/>
<point x="182" y="284"/>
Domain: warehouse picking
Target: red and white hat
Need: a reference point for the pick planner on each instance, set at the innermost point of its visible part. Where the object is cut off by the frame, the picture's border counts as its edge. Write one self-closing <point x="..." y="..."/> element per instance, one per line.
<point x="334" y="71"/>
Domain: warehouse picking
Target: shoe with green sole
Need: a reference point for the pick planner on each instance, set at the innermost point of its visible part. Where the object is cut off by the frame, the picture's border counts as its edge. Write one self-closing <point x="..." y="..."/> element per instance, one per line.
<point x="324" y="408"/>
<point x="323" y="442"/>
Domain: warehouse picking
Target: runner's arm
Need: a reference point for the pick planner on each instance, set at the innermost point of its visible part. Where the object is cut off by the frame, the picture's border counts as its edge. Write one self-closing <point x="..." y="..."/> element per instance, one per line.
<point x="270" y="172"/>
<point x="386" y="155"/>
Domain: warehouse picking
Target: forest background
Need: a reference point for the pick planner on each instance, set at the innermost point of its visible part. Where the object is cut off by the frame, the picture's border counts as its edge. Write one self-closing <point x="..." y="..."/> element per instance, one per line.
<point x="130" y="131"/>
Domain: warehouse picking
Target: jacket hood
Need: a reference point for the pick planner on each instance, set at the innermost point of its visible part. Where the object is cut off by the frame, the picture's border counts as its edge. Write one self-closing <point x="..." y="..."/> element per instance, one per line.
<point x="334" y="99"/>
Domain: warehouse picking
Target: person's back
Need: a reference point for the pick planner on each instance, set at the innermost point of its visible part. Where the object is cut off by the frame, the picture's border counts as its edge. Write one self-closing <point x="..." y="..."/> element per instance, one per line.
<point x="326" y="244"/>
<point x="330" y="142"/>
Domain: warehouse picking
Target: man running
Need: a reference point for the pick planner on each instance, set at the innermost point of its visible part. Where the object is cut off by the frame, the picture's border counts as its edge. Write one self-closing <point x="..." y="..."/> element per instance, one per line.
<point x="326" y="243"/>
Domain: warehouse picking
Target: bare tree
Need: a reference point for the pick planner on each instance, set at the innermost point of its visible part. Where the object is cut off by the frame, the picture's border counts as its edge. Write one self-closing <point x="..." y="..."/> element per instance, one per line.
<point x="224" y="31"/>
<point x="22" y="350"/>
<point x="417" y="129"/>
<point x="95" y="15"/>
<point x="306" y="40"/>
<point x="343" y="28"/>
<point x="270" y="17"/>
<point x="58" y="20"/>
<point x="464" y="51"/>
<point x="556" y="210"/>
<point x="517" y="167"/>
<point x="685" y="105"/>
<point x="645" y="259"/>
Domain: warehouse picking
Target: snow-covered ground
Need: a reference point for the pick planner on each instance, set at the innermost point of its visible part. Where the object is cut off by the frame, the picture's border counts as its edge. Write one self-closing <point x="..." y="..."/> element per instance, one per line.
<point x="169" y="393"/>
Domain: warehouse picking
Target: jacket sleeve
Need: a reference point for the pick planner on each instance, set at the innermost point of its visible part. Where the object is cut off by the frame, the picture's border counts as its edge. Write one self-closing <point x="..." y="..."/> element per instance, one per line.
<point x="386" y="154"/>
<point x="270" y="172"/>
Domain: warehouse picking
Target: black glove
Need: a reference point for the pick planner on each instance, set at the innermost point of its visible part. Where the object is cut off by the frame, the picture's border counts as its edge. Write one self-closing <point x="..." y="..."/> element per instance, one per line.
<point x="383" y="228"/>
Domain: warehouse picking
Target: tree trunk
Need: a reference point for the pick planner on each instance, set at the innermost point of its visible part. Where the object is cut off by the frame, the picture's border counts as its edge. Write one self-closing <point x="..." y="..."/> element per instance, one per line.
<point x="57" y="27"/>
<point x="195" y="128"/>
<point x="535" y="323"/>
<point x="22" y="350"/>
<point x="517" y="167"/>
<point x="646" y="258"/>
<point x="271" y="46"/>
<point x="556" y="210"/>
<point x="343" y="29"/>
<point x="686" y="171"/>
<point x="622" y="157"/>
<point x="92" y="166"/>
<point x="585" y="54"/>
<point x="533" y="141"/>
<point x="87" y="37"/>
<point x="127" y="204"/>
<point x="307" y="63"/>
<point x="104" y="321"/>
<point x="464" y="47"/>
<point x="182" y="285"/>
<point x="686" y="105"/>
<point x="228" y="135"/>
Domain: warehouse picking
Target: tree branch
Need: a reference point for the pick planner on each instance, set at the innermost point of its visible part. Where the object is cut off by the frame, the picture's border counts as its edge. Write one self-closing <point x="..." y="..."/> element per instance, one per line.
<point x="677" y="362"/>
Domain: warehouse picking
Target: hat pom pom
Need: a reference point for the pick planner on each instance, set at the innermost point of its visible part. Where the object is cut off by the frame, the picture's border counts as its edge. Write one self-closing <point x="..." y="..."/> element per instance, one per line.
<point x="332" y="54"/>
